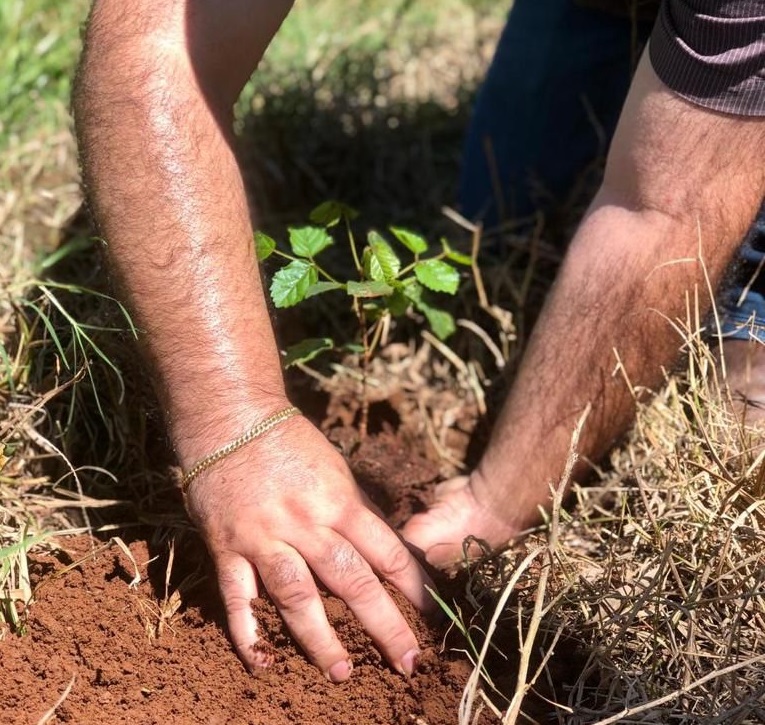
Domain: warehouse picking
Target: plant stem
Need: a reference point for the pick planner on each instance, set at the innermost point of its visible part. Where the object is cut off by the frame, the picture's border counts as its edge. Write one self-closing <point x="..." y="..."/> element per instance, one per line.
<point x="319" y="268"/>
<point x="410" y="267"/>
<point x="352" y="244"/>
<point x="365" y="360"/>
<point x="376" y="335"/>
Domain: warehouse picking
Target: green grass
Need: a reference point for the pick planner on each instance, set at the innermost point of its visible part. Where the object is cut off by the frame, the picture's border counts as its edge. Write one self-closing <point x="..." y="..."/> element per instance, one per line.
<point x="39" y="45"/>
<point x="15" y="585"/>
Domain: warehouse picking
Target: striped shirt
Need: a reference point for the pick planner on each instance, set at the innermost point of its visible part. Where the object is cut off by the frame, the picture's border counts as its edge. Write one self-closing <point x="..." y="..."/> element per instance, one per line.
<point x="712" y="52"/>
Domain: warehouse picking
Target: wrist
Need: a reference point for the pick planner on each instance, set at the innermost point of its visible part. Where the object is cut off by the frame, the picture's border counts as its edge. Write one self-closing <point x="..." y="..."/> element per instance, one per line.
<point x="199" y="434"/>
<point x="512" y="499"/>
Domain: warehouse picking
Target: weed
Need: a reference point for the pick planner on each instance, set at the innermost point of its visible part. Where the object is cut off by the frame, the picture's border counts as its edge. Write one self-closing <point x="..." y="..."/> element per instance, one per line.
<point x="15" y="585"/>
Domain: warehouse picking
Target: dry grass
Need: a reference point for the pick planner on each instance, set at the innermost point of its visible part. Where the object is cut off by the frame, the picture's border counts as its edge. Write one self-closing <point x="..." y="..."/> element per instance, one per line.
<point x="652" y="589"/>
<point x="665" y="569"/>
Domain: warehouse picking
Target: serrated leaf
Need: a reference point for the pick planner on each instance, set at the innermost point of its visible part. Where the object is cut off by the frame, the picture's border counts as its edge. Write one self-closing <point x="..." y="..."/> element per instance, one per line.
<point x="321" y="287"/>
<point x="290" y="284"/>
<point x="371" y="288"/>
<point x="455" y="256"/>
<point x="307" y="350"/>
<point x="441" y="322"/>
<point x="413" y="242"/>
<point x="309" y="241"/>
<point x="264" y="246"/>
<point x="371" y="266"/>
<point x="412" y="289"/>
<point x="437" y="275"/>
<point x="382" y="257"/>
<point x="329" y="213"/>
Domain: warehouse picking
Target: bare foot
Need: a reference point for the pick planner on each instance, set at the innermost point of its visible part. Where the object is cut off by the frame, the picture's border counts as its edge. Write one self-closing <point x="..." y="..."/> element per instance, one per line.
<point x="455" y="515"/>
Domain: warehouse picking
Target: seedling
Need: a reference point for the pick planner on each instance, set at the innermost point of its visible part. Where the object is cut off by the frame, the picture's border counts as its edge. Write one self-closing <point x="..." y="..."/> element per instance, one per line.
<point x="384" y="287"/>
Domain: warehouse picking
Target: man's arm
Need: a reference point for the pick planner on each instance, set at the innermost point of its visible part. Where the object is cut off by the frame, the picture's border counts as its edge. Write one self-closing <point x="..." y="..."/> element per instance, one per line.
<point x="681" y="183"/>
<point x="153" y="109"/>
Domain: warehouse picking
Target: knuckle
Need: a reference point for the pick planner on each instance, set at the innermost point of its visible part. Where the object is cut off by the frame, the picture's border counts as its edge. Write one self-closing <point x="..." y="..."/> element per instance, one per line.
<point x="395" y="563"/>
<point x="237" y="604"/>
<point x="362" y="586"/>
<point x="242" y="645"/>
<point x="292" y="597"/>
<point x="287" y="584"/>
<point x="344" y="559"/>
<point x="399" y="638"/>
<point x="324" y="648"/>
<point x="358" y="581"/>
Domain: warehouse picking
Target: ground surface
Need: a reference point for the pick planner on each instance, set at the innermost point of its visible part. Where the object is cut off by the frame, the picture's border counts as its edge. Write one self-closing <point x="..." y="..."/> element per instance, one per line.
<point x="90" y="625"/>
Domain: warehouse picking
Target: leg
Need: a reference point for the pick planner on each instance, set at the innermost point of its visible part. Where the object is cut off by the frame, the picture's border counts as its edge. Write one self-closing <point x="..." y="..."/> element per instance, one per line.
<point x="559" y="72"/>
<point x="743" y="326"/>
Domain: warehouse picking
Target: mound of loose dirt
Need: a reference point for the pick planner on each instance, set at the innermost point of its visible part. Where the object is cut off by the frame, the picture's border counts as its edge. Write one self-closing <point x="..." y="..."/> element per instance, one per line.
<point x="88" y="624"/>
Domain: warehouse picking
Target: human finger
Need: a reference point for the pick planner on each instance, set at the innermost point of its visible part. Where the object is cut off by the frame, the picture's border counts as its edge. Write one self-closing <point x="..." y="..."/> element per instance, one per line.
<point x="238" y="587"/>
<point x="289" y="583"/>
<point x="344" y="571"/>
<point x="388" y="555"/>
<point x="440" y="531"/>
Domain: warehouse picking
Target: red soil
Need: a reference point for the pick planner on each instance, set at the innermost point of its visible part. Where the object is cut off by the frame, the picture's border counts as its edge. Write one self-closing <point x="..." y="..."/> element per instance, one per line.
<point x="88" y="624"/>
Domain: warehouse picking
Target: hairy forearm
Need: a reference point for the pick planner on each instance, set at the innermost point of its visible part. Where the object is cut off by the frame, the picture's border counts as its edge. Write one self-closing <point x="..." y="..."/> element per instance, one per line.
<point x="607" y="327"/>
<point x="168" y="197"/>
<point x="656" y="239"/>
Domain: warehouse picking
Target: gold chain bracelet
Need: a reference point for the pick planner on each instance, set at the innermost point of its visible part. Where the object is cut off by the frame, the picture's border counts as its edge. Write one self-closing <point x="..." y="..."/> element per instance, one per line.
<point x="255" y="432"/>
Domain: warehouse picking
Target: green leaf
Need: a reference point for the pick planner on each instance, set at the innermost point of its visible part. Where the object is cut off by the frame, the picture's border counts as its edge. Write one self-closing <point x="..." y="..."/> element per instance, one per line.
<point x="413" y="242"/>
<point x="264" y="246"/>
<point x="381" y="262"/>
<point x="398" y="303"/>
<point x="309" y="241"/>
<point x="437" y="275"/>
<point x="455" y="256"/>
<point x="307" y="350"/>
<point x="290" y="283"/>
<point x="372" y="288"/>
<point x="73" y="246"/>
<point x="440" y="321"/>
<point x="322" y="287"/>
<point x="370" y="265"/>
<point x="329" y="213"/>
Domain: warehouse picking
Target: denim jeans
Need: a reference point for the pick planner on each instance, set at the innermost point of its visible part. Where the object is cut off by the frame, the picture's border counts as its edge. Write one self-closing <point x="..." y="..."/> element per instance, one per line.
<point x="549" y="107"/>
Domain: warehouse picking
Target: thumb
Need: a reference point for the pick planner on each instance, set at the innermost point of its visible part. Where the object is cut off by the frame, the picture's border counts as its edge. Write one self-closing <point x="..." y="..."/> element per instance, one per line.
<point x="439" y="532"/>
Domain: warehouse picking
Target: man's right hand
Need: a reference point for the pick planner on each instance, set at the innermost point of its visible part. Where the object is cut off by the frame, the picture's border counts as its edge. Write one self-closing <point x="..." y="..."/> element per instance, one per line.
<point x="153" y="106"/>
<point x="286" y="505"/>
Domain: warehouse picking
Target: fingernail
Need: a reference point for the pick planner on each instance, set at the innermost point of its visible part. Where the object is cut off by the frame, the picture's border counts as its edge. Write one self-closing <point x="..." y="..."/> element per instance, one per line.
<point x="261" y="657"/>
<point x="262" y="660"/>
<point x="410" y="661"/>
<point x="340" y="671"/>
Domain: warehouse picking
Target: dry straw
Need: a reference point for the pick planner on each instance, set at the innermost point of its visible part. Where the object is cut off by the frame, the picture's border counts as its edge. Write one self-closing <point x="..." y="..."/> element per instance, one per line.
<point x="657" y="577"/>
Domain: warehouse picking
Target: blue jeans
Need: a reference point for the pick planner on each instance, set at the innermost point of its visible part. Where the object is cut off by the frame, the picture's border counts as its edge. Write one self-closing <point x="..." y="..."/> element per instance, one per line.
<point x="549" y="107"/>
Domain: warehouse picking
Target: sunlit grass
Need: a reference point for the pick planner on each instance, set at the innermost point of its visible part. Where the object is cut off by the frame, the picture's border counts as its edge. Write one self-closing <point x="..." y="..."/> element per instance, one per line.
<point x="39" y="44"/>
